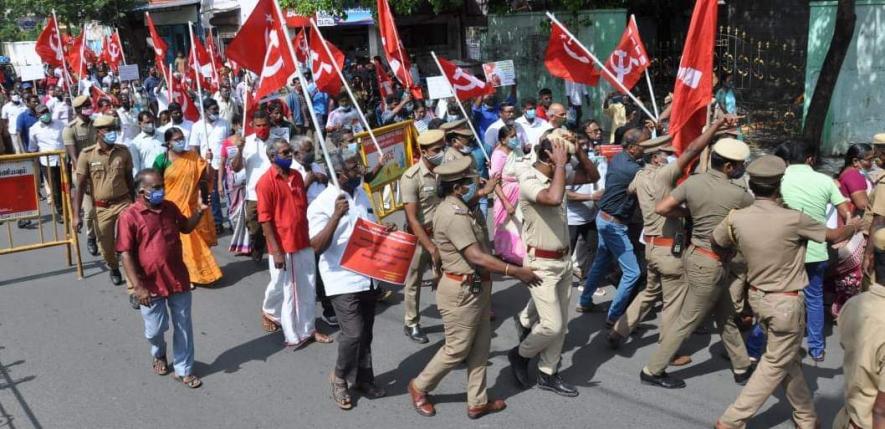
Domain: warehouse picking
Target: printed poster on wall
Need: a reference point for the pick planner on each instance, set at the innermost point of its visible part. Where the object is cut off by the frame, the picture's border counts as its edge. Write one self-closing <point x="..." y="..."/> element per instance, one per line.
<point x="500" y="73"/>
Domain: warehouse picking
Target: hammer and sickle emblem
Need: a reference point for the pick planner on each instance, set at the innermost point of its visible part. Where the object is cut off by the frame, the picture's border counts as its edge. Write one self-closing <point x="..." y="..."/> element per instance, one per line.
<point x="566" y="42"/>
<point x="320" y="67"/>
<point x="622" y="67"/>
<point x="472" y="81"/>
<point x="55" y="45"/>
<point x="272" y="46"/>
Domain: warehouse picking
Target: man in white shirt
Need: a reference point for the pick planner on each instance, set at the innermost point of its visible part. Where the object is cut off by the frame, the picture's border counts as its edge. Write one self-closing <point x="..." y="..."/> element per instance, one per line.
<point x="128" y="122"/>
<point x="344" y="115"/>
<point x="9" y="114"/>
<point x="208" y="134"/>
<point x="147" y="145"/>
<point x="44" y="136"/>
<point x="60" y="109"/>
<point x="314" y="175"/>
<point x="331" y="221"/>
<point x="575" y="93"/>
<point x="506" y="116"/>
<point x="532" y="126"/>
<point x="252" y="156"/>
<point x="178" y="121"/>
<point x="228" y="108"/>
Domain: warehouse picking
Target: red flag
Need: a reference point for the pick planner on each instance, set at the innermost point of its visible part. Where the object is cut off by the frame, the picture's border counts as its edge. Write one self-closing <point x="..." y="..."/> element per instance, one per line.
<point x="465" y="84"/>
<point x="201" y="64"/>
<point x="180" y="96"/>
<point x="302" y="50"/>
<point x="49" y="46"/>
<point x="396" y="54"/>
<point x="694" y="80"/>
<point x="277" y="66"/>
<point x="385" y="85"/>
<point x="629" y="59"/>
<point x="113" y="51"/>
<point x="249" y="46"/>
<point x="160" y="47"/>
<point x="73" y="55"/>
<point x="566" y="59"/>
<point x="96" y="95"/>
<point x="214" y="53"/>
<point x="324" y="74"/>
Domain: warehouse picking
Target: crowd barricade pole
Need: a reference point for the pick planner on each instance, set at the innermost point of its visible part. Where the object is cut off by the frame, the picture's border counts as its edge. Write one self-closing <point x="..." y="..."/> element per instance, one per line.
<point x="20" y="200"/>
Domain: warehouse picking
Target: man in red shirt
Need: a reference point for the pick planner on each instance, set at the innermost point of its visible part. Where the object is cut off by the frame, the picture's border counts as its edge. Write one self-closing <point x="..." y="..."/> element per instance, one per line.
<point x="290" y="297"/>
<point x="148" y="237"/>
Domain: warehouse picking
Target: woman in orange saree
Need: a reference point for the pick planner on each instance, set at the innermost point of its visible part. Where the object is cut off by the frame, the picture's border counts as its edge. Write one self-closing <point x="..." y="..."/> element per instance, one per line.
<point x="184" y="174"/>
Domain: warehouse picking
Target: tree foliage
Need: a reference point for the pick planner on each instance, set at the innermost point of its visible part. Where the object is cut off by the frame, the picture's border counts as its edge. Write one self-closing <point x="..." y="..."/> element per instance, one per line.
<point x="71" y="14"/>
<point x="406" y="7"/>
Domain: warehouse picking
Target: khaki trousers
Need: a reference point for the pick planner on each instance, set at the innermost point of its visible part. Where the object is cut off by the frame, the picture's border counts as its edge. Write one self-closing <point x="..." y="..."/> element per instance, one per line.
<point x="468" y="333"/>
<point x="706" y="292"/>
<point x="783" y="318"/>
<point x="412" y="289"/>
<point x="551" y="301"/>
<point x="88" y="216"/>
<point x="105" y="231"/>
<point x="665" y="279"/>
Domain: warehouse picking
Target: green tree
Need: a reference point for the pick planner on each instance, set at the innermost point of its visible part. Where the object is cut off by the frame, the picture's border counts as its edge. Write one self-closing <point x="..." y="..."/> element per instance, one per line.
<point x="71" y="14"/>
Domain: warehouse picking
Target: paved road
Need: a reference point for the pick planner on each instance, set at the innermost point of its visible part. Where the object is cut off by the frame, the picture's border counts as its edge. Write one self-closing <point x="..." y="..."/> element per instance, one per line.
<point x="72" y="355"/>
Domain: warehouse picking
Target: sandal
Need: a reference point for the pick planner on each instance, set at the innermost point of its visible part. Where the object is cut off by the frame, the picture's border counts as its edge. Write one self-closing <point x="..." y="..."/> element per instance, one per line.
<point x="321" y="338"/>
<point x="189" y="380"/>
<point x="269" y="325"/>
<point x="161" y="366"/>
<point x="340" y="394"/>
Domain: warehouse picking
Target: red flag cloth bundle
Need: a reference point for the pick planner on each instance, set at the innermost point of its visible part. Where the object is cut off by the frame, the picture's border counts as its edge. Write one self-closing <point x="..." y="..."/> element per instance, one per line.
<point x="394" y="51"/>
<point x="629" y="59"/>
<point x="112" y="54"/>
<point x="566" y="59"/>
<point x="49" y="47"/>
<point x="324" y="75"/>
<point x="694" y="80"/>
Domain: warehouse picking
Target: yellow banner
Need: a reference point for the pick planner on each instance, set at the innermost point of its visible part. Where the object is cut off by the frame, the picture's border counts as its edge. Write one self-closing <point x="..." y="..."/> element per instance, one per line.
<point x="396" y="142"/>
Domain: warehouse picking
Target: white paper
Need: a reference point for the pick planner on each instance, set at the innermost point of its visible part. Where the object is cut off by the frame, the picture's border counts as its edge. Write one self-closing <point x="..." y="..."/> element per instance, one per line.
<point x="500" y="73"/>
<point x="129" y="72"/>
<point x="437" y="87"/>
<point x="31" y="72"/>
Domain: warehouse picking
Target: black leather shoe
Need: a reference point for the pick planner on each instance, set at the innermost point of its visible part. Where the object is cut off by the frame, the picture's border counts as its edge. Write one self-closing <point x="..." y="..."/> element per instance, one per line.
<point x="91" y="246"/>
<point x="520" y="367"/>
<point x="741" y="379"/>
<point x="614" y="340"/>
<point x="663" y="380"/>
<point x="521" y="331"/>
<point x="555" y="384"/>
<point x="116" y="277"/>
<point x="133" y="302"/>
<point x="416" y="334"/>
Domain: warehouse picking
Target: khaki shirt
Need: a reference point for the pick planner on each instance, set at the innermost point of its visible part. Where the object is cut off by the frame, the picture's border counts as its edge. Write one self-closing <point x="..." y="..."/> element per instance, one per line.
<point x="651" y="185"/>
<point x="862" y="335"/>
<point x="772" y="239"/>
<point x="108" y="173"/>
<point x="876" y="205"/>
<point x="418" y="185"/>
<point x="79" y="133"/>
<point x="709" y="197"/>
<point x="454" y="229"/>
<point x="543" y="227"/>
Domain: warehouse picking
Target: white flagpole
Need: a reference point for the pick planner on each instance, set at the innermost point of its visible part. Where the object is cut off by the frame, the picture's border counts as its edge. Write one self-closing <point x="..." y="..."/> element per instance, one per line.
<point x="651" y="90"/>
<point x="461" y="106"/>
<point x="199" y="76"/>
<point x="603" y="67"/>
<point x="123" y="57"/>
<point x="307" y="98"/>
<point x="359" y="109"/>
<point x="64" y="65"/>
<point x="82" y="59"/>
<point x="245" y="106"/>
<point x="212" y="61"/>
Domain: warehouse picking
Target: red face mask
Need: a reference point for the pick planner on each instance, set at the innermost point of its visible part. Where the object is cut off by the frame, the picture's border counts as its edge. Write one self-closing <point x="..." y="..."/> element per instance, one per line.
<point x="262" y="132"/>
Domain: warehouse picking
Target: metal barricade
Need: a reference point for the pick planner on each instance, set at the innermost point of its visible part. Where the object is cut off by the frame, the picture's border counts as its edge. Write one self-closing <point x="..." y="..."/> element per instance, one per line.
<point x="20" y="201"/>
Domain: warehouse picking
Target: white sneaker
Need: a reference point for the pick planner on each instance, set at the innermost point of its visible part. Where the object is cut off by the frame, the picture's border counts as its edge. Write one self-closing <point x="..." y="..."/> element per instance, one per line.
<point x="599" y="292"/>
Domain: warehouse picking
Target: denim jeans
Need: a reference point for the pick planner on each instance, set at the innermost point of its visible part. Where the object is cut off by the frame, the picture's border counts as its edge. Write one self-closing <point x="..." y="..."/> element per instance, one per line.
<point x="156" y="323"/>
<point x="814" y="315"/>
<point x="216" y="207"/>
<point x="613" y="240"/>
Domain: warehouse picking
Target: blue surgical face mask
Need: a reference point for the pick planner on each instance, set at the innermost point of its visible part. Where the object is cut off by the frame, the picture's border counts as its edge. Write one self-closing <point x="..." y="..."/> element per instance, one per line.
<point x="284" y="163"/>
<point x="46" y="118"/>
<point x="179" y="146"/>
<point x="466" y="150"/>
<point x="471" y="192"/>
<point x="110" y="137"/>
<point x="530" y="114"/>
<point x="156" y="196"/>
<point x="513" y="143"/>
<point x="435" y="159"/>
<point x="211" y="117"/>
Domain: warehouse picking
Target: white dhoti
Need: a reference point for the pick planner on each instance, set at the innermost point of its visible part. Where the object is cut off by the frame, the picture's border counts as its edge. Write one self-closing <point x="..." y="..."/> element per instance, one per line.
<point x="290" y="298"/>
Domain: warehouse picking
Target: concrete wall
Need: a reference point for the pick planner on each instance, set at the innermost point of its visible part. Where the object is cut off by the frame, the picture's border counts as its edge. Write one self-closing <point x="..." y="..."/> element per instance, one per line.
<point x="523" y="38"/>
<point x="858" y="104"/>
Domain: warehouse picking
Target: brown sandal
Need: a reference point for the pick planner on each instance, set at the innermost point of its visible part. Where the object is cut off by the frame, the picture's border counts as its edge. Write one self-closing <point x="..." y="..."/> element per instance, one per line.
<point x="340" y="394"/>
<point x="269" y="325"/>
<point x="161" y="366"/>
<point x="321" y="338"/>
<point x="189" y="380"/>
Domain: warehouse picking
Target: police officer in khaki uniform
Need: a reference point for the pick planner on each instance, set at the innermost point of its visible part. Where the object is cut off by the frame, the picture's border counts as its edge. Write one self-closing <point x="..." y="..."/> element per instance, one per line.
<point x="772" y="238"/>
<point x="458" y="137"/>
<point x="542" y="200"/>
<point x="464" y="293"/>
<point x="874" y="216"/>
<point x="418" y="190"/>
<point x="708" y="197"/>
<point x="78" y="135"/>
<point x="664" y="236"/>
<point x="862" y="334"/>
<point x="105" y="169"/>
